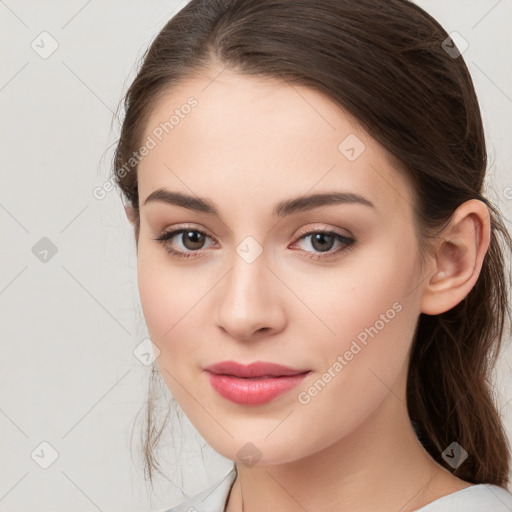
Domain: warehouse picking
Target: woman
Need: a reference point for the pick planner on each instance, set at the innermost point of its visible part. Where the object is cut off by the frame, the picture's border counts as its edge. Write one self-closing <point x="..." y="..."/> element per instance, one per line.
<point x="319" y="270"/>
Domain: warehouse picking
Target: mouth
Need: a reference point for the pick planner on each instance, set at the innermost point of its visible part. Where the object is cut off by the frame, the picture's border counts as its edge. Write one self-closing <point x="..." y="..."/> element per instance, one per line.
<point x="256" y="370"/>
<point x="254" y="384"/>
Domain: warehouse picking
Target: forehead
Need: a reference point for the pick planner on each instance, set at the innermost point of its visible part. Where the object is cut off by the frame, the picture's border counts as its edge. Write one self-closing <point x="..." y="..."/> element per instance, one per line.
<point x="253" y="138"/>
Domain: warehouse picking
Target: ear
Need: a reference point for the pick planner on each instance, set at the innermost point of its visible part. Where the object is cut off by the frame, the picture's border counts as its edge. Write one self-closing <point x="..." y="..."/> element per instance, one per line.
<point x="131" y="214"/>
<point x="458" y="256"/>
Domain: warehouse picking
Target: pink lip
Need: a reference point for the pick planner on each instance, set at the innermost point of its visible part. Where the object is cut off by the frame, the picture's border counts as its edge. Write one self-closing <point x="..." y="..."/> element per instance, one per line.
<point x="254" y="384"/>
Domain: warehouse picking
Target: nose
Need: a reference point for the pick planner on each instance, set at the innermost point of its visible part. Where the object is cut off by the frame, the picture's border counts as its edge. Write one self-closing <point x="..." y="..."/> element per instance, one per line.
<point x="250" y="300"/>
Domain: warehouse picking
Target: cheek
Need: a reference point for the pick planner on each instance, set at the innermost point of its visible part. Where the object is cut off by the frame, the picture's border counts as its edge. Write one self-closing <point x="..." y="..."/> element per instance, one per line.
<point x="165" y="299"/>
<point x="174" y="299"/>
<point x="373" y="315"/>
<point x="389" y="307"/>
<point x="166" y="294"/>
<point x="370" y="291"/>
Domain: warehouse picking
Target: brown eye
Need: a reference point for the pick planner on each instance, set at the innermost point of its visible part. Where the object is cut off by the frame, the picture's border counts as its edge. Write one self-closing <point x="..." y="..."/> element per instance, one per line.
<point x="189" y="242"/>
<point x="192" y="240"/>
<point x="322" y="241"/>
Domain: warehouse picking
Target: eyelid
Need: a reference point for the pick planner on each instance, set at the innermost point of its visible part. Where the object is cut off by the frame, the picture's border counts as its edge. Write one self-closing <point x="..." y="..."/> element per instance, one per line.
<point x="303" y="231"/>
<point x="347" y="242"/>
<point x="322" y="227"/>
<point x="183" y="227"/>
<point x="169" y="233"/>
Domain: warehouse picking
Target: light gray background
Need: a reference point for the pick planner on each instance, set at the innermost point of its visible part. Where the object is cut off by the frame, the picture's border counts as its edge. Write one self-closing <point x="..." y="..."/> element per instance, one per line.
<point x="69" y="325"/>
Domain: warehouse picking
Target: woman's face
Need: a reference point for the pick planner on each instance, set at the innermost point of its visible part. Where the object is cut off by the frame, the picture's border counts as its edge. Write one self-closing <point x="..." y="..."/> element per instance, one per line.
<point x="257" y="282"/>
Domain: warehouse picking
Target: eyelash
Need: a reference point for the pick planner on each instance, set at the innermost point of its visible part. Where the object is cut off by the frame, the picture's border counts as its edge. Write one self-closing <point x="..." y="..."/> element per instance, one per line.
<point x="346" y="241"/>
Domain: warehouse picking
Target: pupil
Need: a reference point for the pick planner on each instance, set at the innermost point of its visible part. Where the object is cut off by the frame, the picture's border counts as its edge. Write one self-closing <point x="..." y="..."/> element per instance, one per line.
<point x="319" y="237"/>
<point x="196" y="239"/>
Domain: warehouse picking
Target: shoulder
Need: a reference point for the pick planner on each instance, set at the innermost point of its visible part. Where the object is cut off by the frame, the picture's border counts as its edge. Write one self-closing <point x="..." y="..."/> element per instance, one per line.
<point x="212" y="499"/>
<point x="476" y="498"/>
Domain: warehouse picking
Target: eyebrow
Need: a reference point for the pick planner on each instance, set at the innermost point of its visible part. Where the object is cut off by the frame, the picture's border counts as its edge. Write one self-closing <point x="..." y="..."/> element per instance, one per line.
<point x="282" y="209"/>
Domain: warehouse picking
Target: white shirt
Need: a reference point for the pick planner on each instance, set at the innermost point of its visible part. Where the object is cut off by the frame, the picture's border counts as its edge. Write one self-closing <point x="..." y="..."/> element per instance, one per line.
<point x="476" y="498"/>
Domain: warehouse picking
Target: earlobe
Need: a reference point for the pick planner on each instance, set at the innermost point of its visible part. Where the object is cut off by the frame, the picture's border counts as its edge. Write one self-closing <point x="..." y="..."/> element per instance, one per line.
<point x="459" y="255"/>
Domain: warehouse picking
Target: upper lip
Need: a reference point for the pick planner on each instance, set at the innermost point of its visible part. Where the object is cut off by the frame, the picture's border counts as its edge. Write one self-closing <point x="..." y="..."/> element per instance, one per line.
<point x="256" y="369"/>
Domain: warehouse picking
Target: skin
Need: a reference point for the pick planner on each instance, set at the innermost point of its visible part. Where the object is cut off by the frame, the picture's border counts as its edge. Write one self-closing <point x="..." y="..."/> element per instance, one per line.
<point x="248" y="144"/>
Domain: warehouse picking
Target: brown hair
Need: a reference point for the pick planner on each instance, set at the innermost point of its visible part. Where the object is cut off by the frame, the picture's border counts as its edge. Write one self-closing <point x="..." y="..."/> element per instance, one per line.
<point x="387" y="64"/>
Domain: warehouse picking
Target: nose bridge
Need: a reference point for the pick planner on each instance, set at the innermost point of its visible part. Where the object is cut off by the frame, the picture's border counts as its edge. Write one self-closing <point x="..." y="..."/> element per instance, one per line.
<point x="248" y="299"/>
<point x="248" y="273"/>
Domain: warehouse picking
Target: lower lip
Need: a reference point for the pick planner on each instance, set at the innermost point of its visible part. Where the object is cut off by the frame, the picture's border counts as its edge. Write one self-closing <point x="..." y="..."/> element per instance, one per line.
<point x="253" y="391"/>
